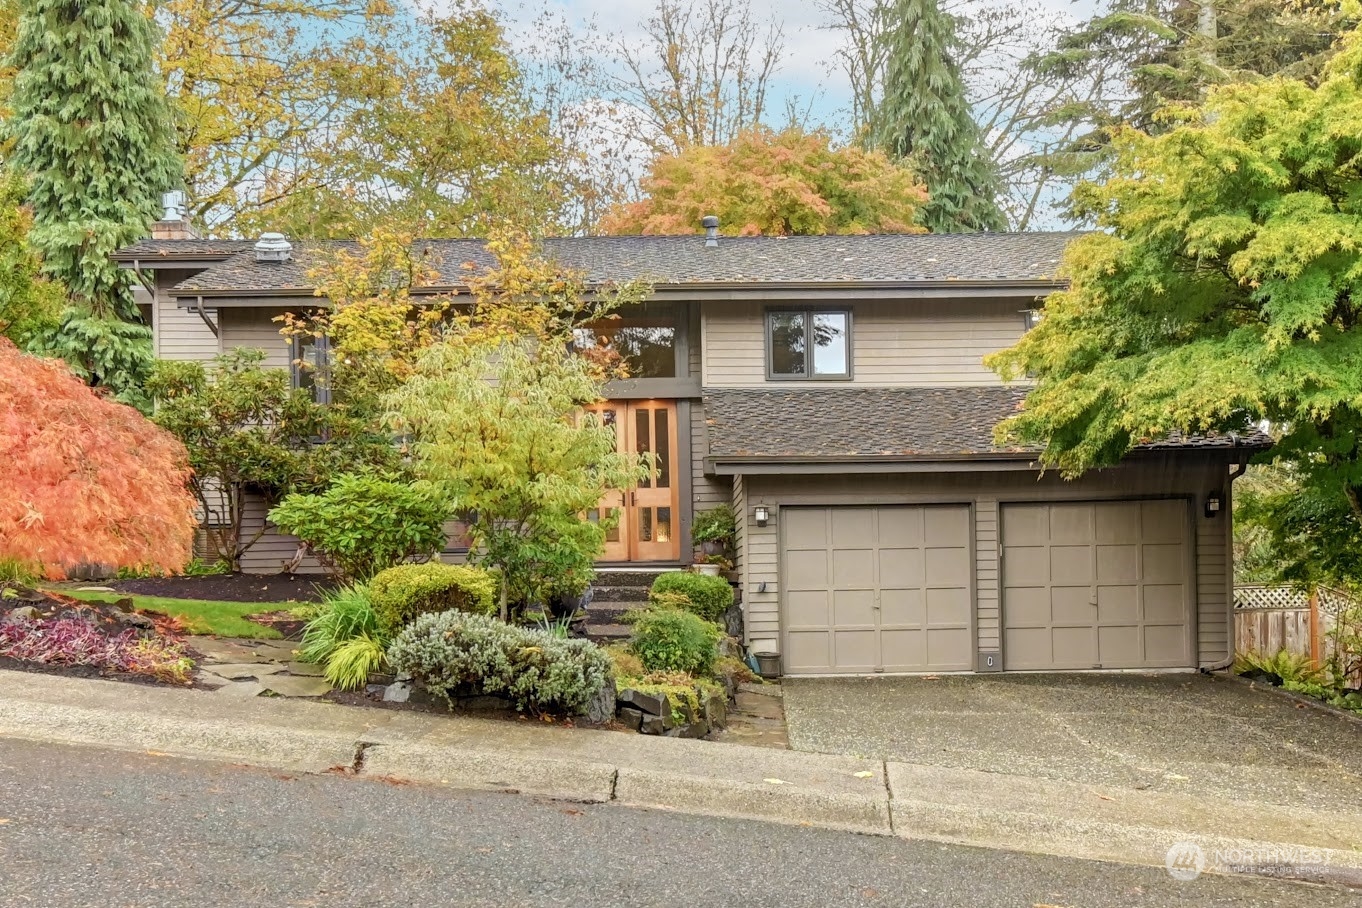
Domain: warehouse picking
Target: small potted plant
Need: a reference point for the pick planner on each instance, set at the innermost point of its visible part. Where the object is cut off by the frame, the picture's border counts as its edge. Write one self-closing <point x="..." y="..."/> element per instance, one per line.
<point x="713" y="534"/>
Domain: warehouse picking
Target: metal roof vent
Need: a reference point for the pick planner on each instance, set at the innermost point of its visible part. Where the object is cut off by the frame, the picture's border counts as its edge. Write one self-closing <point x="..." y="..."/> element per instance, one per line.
<point x="711" y="225"/>
<point x="173" y="203"/>
<point x="273" y="249"/>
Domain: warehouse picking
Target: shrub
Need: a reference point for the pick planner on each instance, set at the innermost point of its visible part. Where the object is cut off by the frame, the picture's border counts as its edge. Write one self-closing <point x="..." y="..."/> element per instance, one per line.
<point x="342" y="616"/>
<point x="450" y="650"/>
<point x="709" y="597"/>
<point x="403" y="593"/>
<point x="363" y="523"/>
<point x="351" y="663"/>
<point x="1282" y="666"/>
<point x="670" y="640"/>
<point x="685" y="693"/>
<point x="718" y="525"/>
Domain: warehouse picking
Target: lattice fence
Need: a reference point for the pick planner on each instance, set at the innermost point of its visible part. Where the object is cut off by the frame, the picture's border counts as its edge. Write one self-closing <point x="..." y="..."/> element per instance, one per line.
<point x="1269" y="619"/>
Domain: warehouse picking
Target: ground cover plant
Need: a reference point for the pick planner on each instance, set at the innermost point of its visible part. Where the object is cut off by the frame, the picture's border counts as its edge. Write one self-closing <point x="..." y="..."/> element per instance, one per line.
<point x="346" y="637"/>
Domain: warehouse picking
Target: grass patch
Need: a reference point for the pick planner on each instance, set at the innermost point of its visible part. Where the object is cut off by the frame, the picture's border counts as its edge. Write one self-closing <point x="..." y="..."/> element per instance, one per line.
<point x="221" y="619"/>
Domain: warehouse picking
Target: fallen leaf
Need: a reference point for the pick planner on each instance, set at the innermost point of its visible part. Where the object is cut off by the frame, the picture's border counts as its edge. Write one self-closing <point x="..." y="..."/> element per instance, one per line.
<point x="931" y="677"/>
<point x="776" y="781"/>
<point x="1104" y="798"/>
<point x="157" y="753"/>
<point x="1174" y="777"/>
<point x="3" y="821"/>
<point x="863" y="774"/>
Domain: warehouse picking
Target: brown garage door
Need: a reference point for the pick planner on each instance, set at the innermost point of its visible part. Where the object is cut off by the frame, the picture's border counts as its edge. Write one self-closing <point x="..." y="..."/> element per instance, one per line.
<point x="1096" y="585"/>
<point x="876" y="589"/>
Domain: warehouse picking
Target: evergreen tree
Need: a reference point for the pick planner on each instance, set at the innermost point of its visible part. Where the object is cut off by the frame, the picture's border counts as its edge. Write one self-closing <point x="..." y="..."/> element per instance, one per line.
<point x="925" y="120"/>
<point x="94" y="137"/>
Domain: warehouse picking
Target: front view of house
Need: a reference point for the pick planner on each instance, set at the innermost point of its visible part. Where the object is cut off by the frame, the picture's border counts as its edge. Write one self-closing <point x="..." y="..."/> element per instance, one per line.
<point x="832" y="390"/>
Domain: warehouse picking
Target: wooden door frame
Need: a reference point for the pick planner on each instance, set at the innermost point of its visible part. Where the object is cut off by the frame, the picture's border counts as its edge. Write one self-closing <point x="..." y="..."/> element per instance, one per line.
<point x="626" y="550"/>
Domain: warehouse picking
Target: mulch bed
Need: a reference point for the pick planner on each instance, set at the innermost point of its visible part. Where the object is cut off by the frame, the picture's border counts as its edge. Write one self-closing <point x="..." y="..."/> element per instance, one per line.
<point x="227" y="587"/>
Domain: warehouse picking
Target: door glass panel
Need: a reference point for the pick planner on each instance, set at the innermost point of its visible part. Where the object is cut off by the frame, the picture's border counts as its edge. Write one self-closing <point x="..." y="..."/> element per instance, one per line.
<point x="664" y="524"/>
<point x="663" y="445"/>
<point x="643" y="441"/>
<point x="786" y="339"/>
<point x="612" y="532"/>
<point x="645" y="524"/>
<point x="830" y="343"/>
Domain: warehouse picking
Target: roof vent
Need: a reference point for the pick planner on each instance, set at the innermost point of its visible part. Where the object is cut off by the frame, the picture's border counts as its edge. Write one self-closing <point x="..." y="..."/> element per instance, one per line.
<point x="173" y="203"/>
<point x="711" y="224"/>
<point x="273" y="249"/>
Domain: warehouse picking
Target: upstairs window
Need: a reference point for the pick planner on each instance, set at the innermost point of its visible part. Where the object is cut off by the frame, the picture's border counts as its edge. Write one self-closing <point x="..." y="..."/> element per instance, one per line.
<point x="642" y="336"/>
<point x="808" y="344"/>
<point x="310" y="359"/>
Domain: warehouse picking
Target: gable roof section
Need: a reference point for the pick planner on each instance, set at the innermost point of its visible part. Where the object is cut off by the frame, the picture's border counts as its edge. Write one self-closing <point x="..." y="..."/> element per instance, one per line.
<point x="890" y="424"/>
<point x="685" y="261"/>
<point x="154" y="250"/>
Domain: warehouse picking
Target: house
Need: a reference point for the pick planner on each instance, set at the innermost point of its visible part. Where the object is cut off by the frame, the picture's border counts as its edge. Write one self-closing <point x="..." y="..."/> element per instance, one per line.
<point x="831" y="389"/>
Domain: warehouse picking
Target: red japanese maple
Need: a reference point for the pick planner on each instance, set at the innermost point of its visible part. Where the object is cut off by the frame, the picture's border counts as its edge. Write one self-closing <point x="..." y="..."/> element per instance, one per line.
<point x="83" y="478"/>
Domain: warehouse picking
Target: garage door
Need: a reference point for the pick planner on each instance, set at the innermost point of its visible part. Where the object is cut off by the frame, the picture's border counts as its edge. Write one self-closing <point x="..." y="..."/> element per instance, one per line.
<point x="876" y="589"/>
<point x="1096" y="585"/>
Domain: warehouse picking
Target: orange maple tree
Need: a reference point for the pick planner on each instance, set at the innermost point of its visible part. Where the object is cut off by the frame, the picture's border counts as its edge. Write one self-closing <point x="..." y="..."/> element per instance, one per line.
<point x="83" y="478"/>
<point x="774" y="184"/>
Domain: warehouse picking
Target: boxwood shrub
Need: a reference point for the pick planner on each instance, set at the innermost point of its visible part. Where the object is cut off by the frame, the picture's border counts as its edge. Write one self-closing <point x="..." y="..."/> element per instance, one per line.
<point x="670" y="640"/>
<point x="709" y="596"/>
<point x="403" y="593"/>
<point x="452" y="650"/>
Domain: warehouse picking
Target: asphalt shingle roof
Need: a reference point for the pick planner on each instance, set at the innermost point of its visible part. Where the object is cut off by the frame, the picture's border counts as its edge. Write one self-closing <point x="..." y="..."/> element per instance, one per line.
<point x="836" y="423"/>
<point x="153" y="249"/>
<point x="683" y="260"/>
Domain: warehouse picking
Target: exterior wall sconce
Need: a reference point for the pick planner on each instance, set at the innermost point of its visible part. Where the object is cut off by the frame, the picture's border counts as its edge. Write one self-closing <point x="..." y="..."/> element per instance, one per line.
<point x="1213" y="504"/>
<point x="1031" y="318"/>
<point x="762" y="515"/>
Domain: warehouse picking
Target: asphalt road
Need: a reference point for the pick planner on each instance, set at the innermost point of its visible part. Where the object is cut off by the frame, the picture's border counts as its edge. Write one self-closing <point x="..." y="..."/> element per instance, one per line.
<point x="84" y="827"/>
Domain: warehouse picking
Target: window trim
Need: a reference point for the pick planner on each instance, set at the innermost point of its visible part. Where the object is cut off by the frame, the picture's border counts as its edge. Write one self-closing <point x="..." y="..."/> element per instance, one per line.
<point x="809" y="313"/>
<point x="320" y="393"/>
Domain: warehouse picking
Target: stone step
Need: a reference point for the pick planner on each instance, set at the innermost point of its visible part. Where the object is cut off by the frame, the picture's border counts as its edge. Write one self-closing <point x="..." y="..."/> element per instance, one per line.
<point x="628" y="577"/>
<point x="609" y="612"/>
<point x="607" y="633"/>
<point x="619" y="594"/>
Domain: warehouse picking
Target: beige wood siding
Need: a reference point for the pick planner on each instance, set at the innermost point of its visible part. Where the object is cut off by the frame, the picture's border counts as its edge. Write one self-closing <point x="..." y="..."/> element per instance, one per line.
<point x="706" y="491"/>
<point x="255" y="329"/>
<point x="894" y="343"/>
<point x="1192" y="477"/>
<point x="274" y="548"/>
<point x="180" y="334"/>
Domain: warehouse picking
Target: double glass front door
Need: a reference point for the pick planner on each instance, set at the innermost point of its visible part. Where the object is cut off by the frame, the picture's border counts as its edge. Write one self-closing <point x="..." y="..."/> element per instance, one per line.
<point x="647" y="517"/>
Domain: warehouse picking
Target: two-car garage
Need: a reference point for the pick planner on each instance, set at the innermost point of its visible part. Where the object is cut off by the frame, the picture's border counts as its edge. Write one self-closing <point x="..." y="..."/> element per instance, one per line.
<point x="1080" y="585"/>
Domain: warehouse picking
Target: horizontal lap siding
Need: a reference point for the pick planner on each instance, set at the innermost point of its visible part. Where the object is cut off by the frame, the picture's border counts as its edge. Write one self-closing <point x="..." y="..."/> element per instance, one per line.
<point x="254" y="329"/>
<point x="182" y="335"/>
<point x="894" y="343"/>
<point x="987" y="492"/>
<point x="273" y="549"/>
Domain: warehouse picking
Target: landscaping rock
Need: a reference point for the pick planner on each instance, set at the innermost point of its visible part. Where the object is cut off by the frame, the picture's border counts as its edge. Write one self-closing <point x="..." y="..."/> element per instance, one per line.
<point x="23" y="613"/>
<point x="291" y="686"/>
<point x="602" y="707"/>
<point x="242" y="671"/>
<point x="653" y="704"/>
<point x="241" y="689"/>
<point x="732" y="621"/>
<point x="132" y="619"/>
<point x="716" y="712"/>
<point x="375" y="690"/>
<point x="690" y="730"/>
<point x="653" y="725"/>
<point x="306" y="669"/>
<point x="397" y="692"/>
<point x="91" y="571"/>
<point x="631" y="718"/>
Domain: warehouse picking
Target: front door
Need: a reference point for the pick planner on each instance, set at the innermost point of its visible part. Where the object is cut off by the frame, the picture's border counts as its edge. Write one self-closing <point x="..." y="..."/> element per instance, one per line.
<point x="648" y="516"/>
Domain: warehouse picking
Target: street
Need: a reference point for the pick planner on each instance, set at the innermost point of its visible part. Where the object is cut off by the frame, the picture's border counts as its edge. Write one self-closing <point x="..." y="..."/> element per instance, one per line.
<point x="86" y="827"/>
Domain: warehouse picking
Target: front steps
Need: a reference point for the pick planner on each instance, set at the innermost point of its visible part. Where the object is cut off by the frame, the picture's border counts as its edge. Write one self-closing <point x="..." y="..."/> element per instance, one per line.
<point x="616" y="591"/>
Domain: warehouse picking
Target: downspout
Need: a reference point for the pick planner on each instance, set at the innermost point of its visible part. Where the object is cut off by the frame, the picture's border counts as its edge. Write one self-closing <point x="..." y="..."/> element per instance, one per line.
<point x="1239" y="470"/>
<point x="142" y="278"/>
<point x="198" y="307"/>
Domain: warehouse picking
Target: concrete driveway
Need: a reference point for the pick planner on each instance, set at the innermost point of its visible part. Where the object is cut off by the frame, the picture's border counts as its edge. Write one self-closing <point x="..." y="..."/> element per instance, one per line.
<point x="1199" y="735"/>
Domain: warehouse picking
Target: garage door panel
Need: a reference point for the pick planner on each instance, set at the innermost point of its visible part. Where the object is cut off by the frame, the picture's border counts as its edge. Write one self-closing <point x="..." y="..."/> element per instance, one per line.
<point x="855" y="651"/>
<point x="853" y="607"/>
<point x="807" y="608"/>
<point x="948" y="607"/>
<point x="1118" y="564"/>
<point x="1071" y="524"/>
<point x="1162" y="563"/>
<point x="869" y="589"/>
<point x="1163" y="604"/>
<point x="1118" y="604"/>
<point x="1132" y="563"/>
<point x="1028" y="565"/>
<point x="853" y="528"/>
<point x="901" y="528"/>
<point x="853" y="569"/>
<point x="948" y="567"/>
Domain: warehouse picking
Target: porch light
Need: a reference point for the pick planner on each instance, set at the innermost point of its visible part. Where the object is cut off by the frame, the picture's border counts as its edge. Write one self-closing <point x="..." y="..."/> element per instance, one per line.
<point x="1213" y="504"/>
<point x="1031" y="318"/>
<point x="761" y="514"/>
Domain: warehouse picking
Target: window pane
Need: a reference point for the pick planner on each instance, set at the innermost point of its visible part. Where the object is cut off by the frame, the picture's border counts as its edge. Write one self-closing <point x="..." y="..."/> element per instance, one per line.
<point x="786" y="331"/>
<point x="644" y="337"/>
<point x="664" y="524"/>
<point x="643" y="442"/>
<point x="662" y="444"/>
<point x="645" y="524"/>
<point x="830" y="343"/>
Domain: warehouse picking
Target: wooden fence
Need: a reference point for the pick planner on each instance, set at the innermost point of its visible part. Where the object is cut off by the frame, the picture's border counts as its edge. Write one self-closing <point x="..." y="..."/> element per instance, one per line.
<point x="1270" y="619"/>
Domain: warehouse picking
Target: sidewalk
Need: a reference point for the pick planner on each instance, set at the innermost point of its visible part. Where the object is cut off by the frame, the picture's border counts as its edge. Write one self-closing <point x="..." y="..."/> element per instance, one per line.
<point x="986" y="809"/>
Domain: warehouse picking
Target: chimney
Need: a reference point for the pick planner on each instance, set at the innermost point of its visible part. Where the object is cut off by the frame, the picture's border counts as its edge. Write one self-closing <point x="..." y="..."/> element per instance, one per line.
<point x="273" y="249"/>
<point x="172" y="225"/>
<point x="711" y="224"/>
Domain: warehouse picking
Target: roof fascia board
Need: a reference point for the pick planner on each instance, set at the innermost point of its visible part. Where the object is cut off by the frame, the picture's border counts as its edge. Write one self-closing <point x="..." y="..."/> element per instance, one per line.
<point x="173" y="262"/>
<point x="966" y="463"/>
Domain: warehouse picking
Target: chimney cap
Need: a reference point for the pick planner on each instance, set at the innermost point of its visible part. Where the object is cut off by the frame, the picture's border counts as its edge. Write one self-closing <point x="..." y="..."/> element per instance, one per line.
<point x="273" y="248"/>
<point x="709" y="221"/>
<point x="173" y="203"/>
<point x="711" y="224"/>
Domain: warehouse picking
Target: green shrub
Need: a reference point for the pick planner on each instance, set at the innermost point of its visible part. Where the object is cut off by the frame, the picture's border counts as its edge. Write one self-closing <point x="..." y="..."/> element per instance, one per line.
<point x="364" y="523"/>
<point x="403" y="593"/>
<point x="12" y="570"/>
<point x="718" y="524"/>
<point x="342" y="616"/>
<point x="539" y="672"/>
<point x="670" y="640"/>
<point x="351" y="663"/>
<point x="709" y="597"/>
